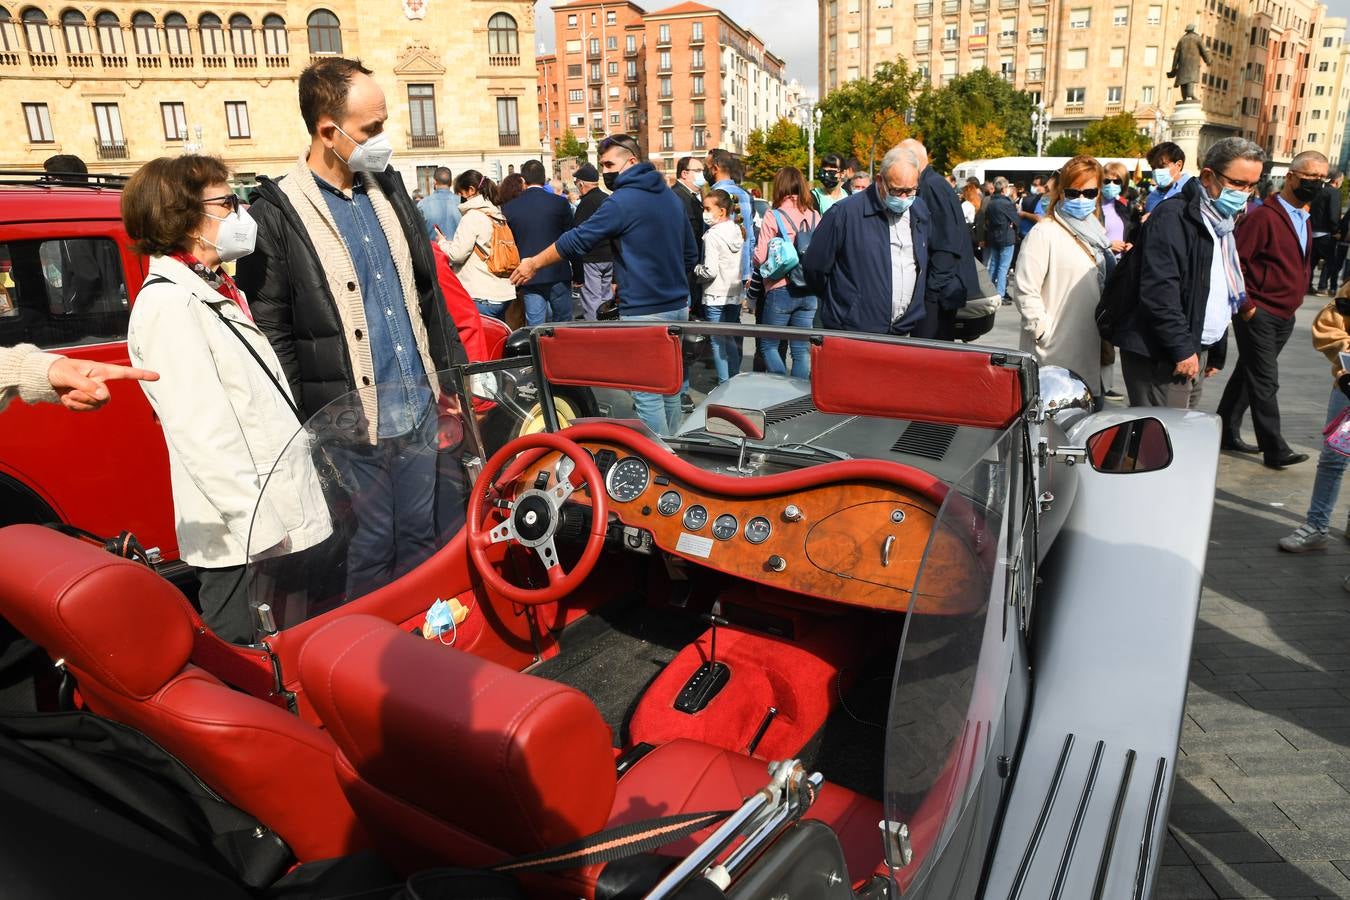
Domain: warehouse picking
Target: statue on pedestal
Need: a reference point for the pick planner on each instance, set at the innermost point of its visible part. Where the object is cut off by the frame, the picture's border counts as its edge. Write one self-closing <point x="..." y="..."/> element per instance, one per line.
<point x="1186" y="59"/>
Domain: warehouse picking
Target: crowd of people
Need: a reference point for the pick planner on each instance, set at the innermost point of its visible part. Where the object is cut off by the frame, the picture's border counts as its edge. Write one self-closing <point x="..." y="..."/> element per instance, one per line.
<point x="341" y="282"/>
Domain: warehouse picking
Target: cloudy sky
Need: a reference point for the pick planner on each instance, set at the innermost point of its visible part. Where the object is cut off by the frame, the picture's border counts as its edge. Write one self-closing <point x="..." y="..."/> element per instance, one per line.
<point x="787" y="26"/>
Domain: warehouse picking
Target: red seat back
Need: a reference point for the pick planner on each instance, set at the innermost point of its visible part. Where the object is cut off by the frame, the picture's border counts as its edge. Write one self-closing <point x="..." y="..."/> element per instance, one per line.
<point x="126" y="635"/>
<point x="449" y="758"/>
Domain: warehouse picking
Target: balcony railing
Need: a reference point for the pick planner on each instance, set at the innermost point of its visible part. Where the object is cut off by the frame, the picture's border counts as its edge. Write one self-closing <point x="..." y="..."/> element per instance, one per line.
<point x="1007" y="39"/>
<point x="1073" y="106"/>
<point x="667" y="122"/>
<point x="696" y="39"/>
<point x="663" y="41"/>
<point x="697" y="66"/>
<point x="114" y="61"/>
<point x="149" y="62"/>
<point x="1035" y="75"/>
<point x="425" y="141"/>
<point x="180" y="62"/>
<point x="951" y="7"/>
<point x="630" y="77"/>
<point x="80" y="60"/>
<point x="246" y="62"/>
<point x="1008" y="75"/>
<point x="950" y="43"/>
<point x="42" y="60"/>
<point x="112" y="150"/>
<point x="276" y="62"/>
<point x="948" y="79"/>
<point x="9" y="58"/>
<point x="506" y="60"/>
<point x="923" y="45"/>
<point x="630" y="51"/>
<point x="508" y="140"/>
<point x="923" y="10"/>
<point x="214" y="62"/>
<point x="1113" y="104"/>
<point x="1036" y="36"/>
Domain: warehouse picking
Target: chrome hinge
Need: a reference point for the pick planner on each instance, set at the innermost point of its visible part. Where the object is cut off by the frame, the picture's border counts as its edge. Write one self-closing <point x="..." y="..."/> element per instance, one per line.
<point x="1070" y="455"/>
<point x="895" y="837"/>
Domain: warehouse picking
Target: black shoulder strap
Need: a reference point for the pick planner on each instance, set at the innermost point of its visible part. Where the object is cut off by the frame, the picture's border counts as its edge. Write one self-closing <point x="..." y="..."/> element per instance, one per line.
<point x="259" y="360"/>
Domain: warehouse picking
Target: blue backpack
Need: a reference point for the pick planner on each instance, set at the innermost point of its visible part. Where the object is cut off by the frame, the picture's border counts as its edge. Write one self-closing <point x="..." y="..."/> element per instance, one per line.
<point x="782" y="259"/>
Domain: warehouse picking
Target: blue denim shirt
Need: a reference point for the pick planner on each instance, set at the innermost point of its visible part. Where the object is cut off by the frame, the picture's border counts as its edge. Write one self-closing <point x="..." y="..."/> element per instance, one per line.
<point x="440" y="207"/>
<point x="1300" y="219"/>
<point x="403" y="394"/>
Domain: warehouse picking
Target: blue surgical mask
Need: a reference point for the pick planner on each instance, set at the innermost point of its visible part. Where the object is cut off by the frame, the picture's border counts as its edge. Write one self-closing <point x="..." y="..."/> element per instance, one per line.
<point x="440" y="619"/>
<point x="1162" y="177"/>
<point x="1230" y="202"/>
<point x="899" y="205"/>
<point x="699" y="180"/>
<point x="1078" y="207"/>
<point x="1111" y="191"/>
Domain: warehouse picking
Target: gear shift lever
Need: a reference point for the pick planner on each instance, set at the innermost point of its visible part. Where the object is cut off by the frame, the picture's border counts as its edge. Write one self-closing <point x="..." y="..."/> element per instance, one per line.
<point x="709" y="678"/>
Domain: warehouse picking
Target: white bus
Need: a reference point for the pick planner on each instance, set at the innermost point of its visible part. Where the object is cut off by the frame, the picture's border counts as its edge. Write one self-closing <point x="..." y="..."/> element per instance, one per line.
<point x="1021" y="169"/>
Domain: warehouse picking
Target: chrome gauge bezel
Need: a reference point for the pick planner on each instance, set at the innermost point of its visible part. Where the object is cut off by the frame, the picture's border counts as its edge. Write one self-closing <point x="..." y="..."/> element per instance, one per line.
<point x="768" y="529"/>
<point x="701" y="511"/>
<point x="609" y="478"/>
<point x="721" y="520"/>
<point x="677" y="499"/>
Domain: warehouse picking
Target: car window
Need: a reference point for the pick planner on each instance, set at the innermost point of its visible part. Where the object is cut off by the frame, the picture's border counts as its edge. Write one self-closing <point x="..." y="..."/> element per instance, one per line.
<point x="62" y="293"/>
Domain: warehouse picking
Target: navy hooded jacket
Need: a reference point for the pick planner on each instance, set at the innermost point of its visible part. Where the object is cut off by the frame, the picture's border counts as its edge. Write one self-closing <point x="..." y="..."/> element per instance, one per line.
<point x="849" y="265"/>
<point x="654" y="245"/>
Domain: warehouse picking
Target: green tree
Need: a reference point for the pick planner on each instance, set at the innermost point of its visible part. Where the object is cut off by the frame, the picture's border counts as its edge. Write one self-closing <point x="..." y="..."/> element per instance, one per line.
<point x="570" y="148"/>
<point x="979" y="99"/>
<point x="986" y="141"/>
<point x="860" y="117"/>
<point x="1064" y="145"/>
<point x="768" y="151"/>
<point x="1115" y="136"/>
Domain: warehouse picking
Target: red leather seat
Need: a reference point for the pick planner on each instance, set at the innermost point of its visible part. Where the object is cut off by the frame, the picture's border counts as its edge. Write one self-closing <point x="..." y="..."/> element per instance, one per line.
<point x="126" y="635"/>
<point x="454" y="760"/>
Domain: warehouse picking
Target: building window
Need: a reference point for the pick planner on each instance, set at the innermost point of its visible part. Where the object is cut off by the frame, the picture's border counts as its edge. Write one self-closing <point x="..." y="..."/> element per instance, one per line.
<point x="883" y="37"/>
<point x="503" y="38"/>
<point x="176" y="36"/>
<point x="112" y="143"/>
<point x="611" y="43"/>
<point x="37" y="31"/>
<point x="697" y="34"/>
<point x="275" y="40"/>
<point x="595" y="46"/>
<point x="241" y="36"/>
<point x="595" y="71"/>
<point x="1076" y="59"/>
<point x="698" y="86"/>
<point x="508" y="122"/>
<point x="663" y="34"/>
<point x="1075" y="96"/>
<point x="212" y="35"/>
<point x="1151" y="55"/>
<point x="852" y="40"/>
<point x="422" y="113"/>
<point x="574" y="70"/>
<point x="631" y="70"/>
<point x="611" y="17"/>
<point x="1146" y="94"/>
<point x="697" y="62"/>
<point x="573" y="46"/>
<point x="39" y="123"/>
<point x="613" y="68"/>
<point x="667" y="140"/>
<point x="575" y="95"/>
<point x="236" y="120"/>
<point x="109" y="35"/>
<point x="1114" y="95"/>
<point x="175" y="121"/>
<point x="1117" y="57"/>
<point x="699" y="114"/>
<point x="614" y="118"/>
<point x="325" y="32"/>
<point x="663" y="86"/>
<point x="572" y="21"/>
<point x="630" y="44"/>
<point x="1120" y="16"/>
<point x="1080" y="18"/>
<point x="1323" y="66"/>
<point x="1155" y="15"/>
<point x="663" y="61"/>
<point x="144" y="35"/>
<point x="76" y="31"/>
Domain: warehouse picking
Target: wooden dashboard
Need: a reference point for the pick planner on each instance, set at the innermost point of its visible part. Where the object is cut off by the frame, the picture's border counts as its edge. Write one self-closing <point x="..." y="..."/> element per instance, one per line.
<point x="852" y="540"/>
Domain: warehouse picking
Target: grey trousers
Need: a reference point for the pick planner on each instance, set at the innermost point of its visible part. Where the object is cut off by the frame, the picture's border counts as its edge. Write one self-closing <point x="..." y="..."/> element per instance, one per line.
<point x="1150" y="382"/>
<point x="596" y="288"/>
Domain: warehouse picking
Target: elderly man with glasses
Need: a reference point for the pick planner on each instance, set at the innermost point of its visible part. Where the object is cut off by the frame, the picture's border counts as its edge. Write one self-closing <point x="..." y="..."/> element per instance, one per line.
<point x="1275" y="244"/>
<point x="1190" y="281"/>
<point x="868" y="258"/>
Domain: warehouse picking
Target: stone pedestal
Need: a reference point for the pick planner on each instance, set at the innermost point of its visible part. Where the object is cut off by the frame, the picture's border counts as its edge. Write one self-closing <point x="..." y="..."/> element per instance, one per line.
<point x="1185" y="122"/>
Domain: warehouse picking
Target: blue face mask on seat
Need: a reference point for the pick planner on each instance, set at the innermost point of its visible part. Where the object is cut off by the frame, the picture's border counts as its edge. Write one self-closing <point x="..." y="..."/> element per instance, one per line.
<point x="440" y="619"/>
<point x="1078" y="207"/>
<point x="899" y="205"/>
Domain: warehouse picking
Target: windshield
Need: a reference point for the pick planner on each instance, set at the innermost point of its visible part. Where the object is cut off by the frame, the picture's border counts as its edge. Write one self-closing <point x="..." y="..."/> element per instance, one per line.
<point x="946" y="728"/>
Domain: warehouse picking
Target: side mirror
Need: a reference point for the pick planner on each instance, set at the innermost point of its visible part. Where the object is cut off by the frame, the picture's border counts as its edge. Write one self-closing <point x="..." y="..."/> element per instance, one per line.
<point x="1062" y="392"/>
<point x="1140" y="445"/>
<point x="730" y="421"/>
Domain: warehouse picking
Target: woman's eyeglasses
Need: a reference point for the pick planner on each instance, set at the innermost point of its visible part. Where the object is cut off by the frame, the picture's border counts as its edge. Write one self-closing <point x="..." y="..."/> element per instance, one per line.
<point x="1075" y="193"/>
<point x="1119" y="181"/>
<point x="229" y="201"/>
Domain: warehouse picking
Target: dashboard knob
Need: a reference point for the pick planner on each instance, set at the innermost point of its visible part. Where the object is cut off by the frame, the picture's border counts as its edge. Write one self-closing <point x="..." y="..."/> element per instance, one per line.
<point x="792" y="513"/>
<point x="776" y="563"/>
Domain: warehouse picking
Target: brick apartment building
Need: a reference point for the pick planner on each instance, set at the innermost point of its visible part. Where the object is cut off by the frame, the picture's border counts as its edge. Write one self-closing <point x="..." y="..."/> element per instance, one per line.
<point x="683" y="79"/>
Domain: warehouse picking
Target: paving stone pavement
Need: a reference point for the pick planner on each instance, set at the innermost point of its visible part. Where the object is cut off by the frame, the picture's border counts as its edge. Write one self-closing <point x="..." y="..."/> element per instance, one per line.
<point x="1262" y="800"/>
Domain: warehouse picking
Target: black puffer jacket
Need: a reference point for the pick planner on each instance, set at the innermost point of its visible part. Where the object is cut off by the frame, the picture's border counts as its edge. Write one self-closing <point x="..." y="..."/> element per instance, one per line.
<point x="290" y="300"/>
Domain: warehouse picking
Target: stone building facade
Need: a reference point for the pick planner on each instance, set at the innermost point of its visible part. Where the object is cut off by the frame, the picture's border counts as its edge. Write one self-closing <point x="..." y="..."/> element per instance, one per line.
<point x="119" y="84"/>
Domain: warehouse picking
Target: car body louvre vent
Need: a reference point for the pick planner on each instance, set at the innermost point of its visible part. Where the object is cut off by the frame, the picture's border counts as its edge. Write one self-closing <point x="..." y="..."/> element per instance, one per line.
<point x="927" y="439"/>
<point x="776" y="415"/>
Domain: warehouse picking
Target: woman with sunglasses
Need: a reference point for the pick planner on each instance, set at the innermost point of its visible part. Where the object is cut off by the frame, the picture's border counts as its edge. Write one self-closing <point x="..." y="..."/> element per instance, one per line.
<point x="1061" y="270"/>
<point x="223" y="400"/>
<point x="1119" y="221"/>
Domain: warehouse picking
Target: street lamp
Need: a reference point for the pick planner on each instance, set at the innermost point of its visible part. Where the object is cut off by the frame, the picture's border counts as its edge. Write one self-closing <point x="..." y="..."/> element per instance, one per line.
<point x="1040" y="126"/>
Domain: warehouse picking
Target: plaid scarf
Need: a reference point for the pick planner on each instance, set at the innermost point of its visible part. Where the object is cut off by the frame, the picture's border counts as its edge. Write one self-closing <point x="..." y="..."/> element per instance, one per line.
<point x="219" y="279"/>
<point x="1227" y="245"/>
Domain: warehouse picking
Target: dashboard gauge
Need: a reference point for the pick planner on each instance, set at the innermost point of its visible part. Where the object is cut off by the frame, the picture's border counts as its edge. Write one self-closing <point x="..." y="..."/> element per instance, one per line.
<point x="695" y="517"/>
<point x="724" y="529"/>
<point x="757" y="530"/>
<point x="627" y="479"/>
<point x="670" y="503"/>
<point x="563" y="468"/>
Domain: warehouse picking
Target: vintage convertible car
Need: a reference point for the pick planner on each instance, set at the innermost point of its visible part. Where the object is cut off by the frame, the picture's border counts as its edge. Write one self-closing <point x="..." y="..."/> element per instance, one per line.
<point x="918" y="625"/>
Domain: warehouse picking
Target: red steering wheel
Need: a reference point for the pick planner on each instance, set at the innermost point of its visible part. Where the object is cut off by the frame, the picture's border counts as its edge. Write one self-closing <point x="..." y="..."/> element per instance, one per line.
<point x="532" y="519"/>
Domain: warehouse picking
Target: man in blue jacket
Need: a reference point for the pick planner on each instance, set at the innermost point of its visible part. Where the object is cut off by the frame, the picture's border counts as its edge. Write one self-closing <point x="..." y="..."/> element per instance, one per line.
<point x="868" y="258"/>
<point x="537" y="219"/>
<point x="951" y="260"/>
<point x="654" y="246"/>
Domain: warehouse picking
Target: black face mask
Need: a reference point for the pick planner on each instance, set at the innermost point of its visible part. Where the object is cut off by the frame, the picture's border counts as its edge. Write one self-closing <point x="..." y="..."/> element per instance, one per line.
<point x="1308" y="188"/>
<point x="830" y="180"/>
<point x="610" y="178"/>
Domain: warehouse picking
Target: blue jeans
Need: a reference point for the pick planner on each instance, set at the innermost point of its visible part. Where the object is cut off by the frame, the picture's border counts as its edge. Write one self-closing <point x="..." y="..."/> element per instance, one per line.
<point x="1000" y="259"/>
<point x="659" y="412"/>
<point x="1330" y="467"/>
<point x="781" y="307"/>
<point x="493" y="308"/>
<point x="726" y="351"/>
<point x="547" y="302"/>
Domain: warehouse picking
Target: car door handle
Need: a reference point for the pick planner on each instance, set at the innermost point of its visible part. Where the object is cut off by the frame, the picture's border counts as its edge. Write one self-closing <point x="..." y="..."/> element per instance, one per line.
<point x="886" y="550"/>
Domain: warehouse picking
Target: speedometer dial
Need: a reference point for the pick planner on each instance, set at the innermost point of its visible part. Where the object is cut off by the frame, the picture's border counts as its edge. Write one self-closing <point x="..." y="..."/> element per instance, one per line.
<point x="724" y="528"/>
<point x="627" y="479"/>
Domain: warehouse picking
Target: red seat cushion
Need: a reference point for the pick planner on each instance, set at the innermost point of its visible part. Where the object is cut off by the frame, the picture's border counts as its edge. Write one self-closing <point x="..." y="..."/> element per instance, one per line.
<point x="689" y="776"/>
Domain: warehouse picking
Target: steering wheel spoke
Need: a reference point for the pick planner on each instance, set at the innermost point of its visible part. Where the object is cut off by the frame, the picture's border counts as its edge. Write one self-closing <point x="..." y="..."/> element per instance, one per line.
<point x="548" y="555"/>
<point x="562" y="490"/>
<point x="500" y="534"/>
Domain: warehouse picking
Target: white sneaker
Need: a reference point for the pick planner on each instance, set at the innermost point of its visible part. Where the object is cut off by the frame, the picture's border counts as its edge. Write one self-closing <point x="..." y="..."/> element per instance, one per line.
<point x="1304" y="539"/>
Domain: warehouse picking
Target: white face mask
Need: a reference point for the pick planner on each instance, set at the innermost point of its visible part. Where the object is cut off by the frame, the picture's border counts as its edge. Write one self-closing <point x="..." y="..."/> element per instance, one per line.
<point x="236" y="237"/>
<point x="709" y="220"/>
<point x="373" y="156"/>
<point x="699" y="180"/>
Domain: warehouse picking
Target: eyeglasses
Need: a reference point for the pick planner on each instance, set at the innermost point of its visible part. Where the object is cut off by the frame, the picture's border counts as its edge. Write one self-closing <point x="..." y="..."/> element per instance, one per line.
<point x="1239" y="185"/>
<point x="901" y="192"/>
<point x="1075" y="193"/>
<point x="1119" y="181"/>
<point x="229" y="201"/>
<point x="619" y="140"/>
